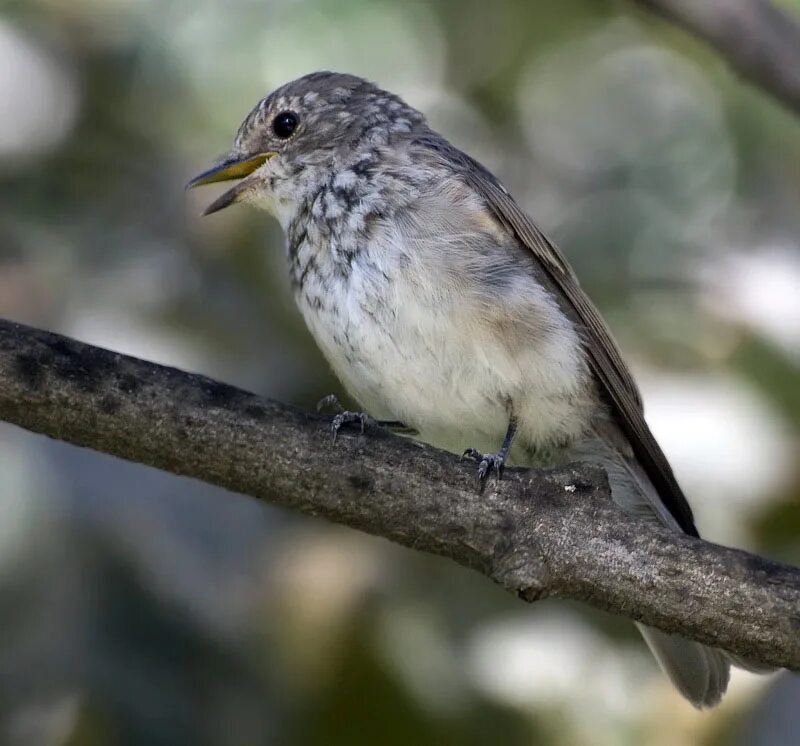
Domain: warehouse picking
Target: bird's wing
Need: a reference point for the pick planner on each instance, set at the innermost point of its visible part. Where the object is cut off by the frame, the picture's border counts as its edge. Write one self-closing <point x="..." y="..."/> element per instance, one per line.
<point x="606" y="361"/>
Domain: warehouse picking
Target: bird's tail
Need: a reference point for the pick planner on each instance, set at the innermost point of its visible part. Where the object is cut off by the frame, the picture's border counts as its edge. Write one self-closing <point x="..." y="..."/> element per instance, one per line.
<point x="698" y="672"/>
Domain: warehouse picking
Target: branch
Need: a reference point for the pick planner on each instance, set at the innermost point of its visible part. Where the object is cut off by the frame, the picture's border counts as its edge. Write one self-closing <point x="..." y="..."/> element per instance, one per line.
<point x="758" y="40"/>
<point x="537" y="533"/>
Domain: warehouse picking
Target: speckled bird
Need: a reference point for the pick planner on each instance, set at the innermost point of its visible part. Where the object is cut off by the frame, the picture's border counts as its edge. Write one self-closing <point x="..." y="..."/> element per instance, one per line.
<point x="440" y="304"/>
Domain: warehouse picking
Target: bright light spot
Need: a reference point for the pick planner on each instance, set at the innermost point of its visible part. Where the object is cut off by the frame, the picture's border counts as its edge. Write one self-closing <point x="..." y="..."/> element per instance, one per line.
<point x="727" y="447"/>
<point x="38" y="96"/>
<point x="556" y="660"/>
<point x="762" y="291"/>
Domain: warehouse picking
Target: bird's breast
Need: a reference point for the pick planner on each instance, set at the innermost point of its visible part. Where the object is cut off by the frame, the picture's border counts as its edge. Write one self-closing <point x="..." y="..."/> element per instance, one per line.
<point x="412" y="338"/>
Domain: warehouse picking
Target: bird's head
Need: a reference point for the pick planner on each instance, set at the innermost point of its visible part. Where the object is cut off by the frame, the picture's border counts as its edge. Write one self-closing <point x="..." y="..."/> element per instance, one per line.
<point x="305" y="132"/>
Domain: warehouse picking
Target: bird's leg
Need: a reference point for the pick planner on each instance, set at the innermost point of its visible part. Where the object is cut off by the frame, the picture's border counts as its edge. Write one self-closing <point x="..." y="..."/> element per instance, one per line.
<point x="496" y="461"/>
<point x="345" y="417"/>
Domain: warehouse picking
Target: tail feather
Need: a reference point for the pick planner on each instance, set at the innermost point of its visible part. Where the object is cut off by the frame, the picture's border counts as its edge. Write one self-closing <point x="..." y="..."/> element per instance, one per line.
<point x="698" y="672"/>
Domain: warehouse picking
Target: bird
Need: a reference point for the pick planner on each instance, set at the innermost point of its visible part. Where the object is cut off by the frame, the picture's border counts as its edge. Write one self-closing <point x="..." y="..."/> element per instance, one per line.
<point x="440" y="304"/>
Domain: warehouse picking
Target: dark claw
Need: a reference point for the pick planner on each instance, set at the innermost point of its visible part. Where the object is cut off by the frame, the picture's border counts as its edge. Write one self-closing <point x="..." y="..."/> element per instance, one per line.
<point x="344" y="417"/>
<point x="347" y="418"/>
<point x="486" y="463"/>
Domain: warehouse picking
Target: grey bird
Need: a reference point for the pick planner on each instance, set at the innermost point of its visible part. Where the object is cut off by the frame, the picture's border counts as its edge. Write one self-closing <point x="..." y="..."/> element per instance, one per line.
<point x="440" y="304"/>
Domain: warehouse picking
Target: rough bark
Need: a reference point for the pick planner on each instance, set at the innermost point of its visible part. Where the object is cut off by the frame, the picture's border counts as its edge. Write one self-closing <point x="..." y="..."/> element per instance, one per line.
<point x="536" y="533"/>
<point x="757" y="39"/>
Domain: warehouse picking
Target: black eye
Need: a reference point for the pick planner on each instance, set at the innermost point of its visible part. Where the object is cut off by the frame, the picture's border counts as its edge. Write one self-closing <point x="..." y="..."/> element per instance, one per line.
<point x="284" y="124"/>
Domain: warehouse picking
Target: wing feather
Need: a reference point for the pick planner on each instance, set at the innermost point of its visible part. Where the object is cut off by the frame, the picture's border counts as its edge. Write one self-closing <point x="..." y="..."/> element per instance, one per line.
<point x="606" y="362"/>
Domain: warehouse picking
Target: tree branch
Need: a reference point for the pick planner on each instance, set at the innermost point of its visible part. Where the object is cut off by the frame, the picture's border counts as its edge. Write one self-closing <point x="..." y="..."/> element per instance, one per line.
<point x="759" y="41"/>
<point x="536" y="533"/>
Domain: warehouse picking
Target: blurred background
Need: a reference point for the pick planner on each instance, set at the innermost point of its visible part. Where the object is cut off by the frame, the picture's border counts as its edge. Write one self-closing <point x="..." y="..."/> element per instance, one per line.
<point x="140" y="608"/>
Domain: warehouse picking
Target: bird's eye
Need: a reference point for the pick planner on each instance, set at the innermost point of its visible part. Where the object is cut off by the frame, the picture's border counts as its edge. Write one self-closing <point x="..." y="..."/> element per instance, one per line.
<point x="285" y="124"/>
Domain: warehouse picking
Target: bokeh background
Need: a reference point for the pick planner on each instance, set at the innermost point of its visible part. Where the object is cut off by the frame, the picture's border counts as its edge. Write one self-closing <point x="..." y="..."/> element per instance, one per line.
<point x="141" y="608"/>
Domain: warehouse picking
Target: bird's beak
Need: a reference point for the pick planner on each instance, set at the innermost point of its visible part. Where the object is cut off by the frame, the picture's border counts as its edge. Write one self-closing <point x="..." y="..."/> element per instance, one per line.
<point x="228" y="169"/>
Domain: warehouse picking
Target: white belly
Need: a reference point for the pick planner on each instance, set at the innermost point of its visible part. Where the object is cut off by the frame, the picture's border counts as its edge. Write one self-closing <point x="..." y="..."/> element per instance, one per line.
<point x="410" y="353"/>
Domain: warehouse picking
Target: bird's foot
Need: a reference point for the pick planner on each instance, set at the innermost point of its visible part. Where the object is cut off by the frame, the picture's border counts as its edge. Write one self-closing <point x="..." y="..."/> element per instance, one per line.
<point x="345" y="417"/>
<point x="486" y="463"/>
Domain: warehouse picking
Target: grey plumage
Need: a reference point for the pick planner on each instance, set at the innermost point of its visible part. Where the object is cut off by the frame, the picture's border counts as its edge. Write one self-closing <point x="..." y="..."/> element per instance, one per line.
<point x="439" y="303"/>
